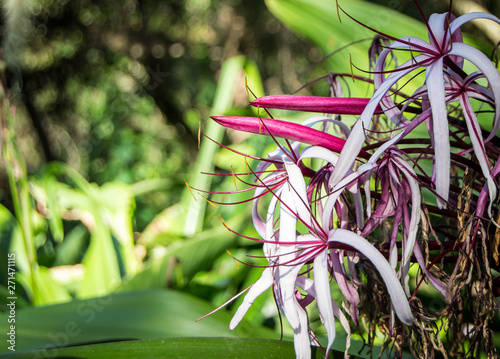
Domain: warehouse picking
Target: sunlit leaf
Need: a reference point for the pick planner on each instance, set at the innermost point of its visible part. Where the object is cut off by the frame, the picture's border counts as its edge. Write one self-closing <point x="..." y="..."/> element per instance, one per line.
<point x="192" y="255"/>
<point x="47" y="289"/>
<point x="233" y="70"/>
<point x="186" y="348"/>
<point x="318" y="21"/>
<point x="133" y="315"/>
<point x="102" y="273"/>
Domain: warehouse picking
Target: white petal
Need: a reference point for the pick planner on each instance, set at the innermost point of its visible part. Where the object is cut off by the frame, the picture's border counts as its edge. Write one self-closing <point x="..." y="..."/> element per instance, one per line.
<point x="298" y="192"/>
<point x="301" y="340"/>
<point x="265" y="282"/>
<point x="388" y="275"/>
<point x="271" y="248"/>
<point x="324" y="298"/>
<point x="458" y="22"/>
<point x="350" y="151"/>
<point x="258" y="222"/>
<point x="289" y="304"/>
<point x="437" y="23"/>
<point x="485" y="65"/>
<point x="435" y="86"/>
<point x="477" y="143"/>
<point x="415" y="208"/>
<point x="387" y="103"/>
<point x="287" y="273"/>
<point x="326" y="218"/>
<point x="321" y="153"/>
<point x="307" y="285"/>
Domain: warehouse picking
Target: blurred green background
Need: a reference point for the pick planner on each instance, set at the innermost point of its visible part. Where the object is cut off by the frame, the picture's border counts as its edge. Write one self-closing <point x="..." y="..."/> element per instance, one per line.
<point x="100" y="132"/>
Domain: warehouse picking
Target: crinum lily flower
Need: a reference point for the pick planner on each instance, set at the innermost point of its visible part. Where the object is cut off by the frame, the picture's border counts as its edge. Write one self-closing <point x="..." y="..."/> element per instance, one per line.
<point x="445" y="50"/>
<point x="323" y="246"/>
<point x="345" y="203"/>
<point x="288" y="252"/>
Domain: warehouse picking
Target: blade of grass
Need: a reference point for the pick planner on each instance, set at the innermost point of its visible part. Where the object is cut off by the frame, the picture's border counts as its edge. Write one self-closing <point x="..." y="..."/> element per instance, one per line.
<point x="18" y="182"/>
<point x="230" y="73"/>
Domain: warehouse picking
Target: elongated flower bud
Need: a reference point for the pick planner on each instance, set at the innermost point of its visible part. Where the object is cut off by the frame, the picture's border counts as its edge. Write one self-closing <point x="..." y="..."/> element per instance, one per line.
<point x="282" y="129"/>
<point x="334" y="105"/>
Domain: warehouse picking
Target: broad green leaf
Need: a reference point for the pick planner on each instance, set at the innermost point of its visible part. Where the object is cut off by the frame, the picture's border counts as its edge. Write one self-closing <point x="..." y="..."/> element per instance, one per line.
<point x="69" y="251"/>
<point x="165" y="228"/>
<point x="118" y="203"/>
<point x="191" y="255"/>
<point x="102" y="272"/>
<point x="47" y="290"/>
<point x="180" y="348"/>
<point x="107" y="212"/>
<point x="319" y="22"/>
<point x="133" y="315"/>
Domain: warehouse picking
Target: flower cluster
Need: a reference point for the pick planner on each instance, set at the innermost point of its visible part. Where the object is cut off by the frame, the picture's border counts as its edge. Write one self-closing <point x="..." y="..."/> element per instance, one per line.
<point x="347" y="204"/>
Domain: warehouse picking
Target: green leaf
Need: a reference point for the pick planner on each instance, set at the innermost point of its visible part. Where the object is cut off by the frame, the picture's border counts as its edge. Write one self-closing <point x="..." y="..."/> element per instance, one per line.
<point x="164" y="228"/>
<point x="133" y="315"/>
<point x="107" y="212"/>
<point x="194" y="255"/>
<point x="117" y="201"/>
<point x="45" y="191"/>
<point x="319" y="22"/>
<point x="231" y="71"/>
<point x="48" y="290"/>
<point x="11" y="241"/>
<point x="102" y="273"/>
<point x="254" y="80"/>
<point x="69" y="251"/>
<point x="180" y="348"/>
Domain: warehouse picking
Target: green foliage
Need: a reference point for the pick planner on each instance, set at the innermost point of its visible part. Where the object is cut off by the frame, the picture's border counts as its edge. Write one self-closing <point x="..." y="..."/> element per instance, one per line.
<point x="181" y="348"/>
<point x="149" y="314"/>
<point x="181" y="261"/>
<point x="106" y="211"/>
<point x="232" y="70"/>
<point x="74" y="239"/>
<point x="99" y="132"/>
